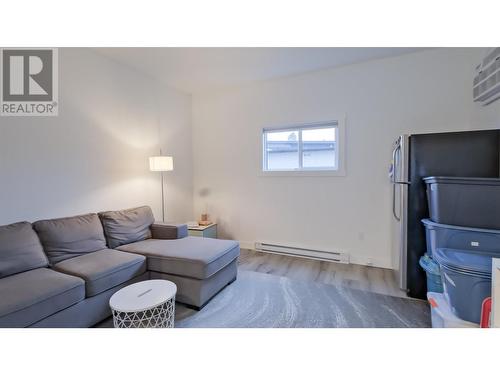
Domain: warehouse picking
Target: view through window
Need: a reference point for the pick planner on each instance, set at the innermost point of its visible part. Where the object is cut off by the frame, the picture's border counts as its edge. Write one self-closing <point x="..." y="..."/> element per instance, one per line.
<point x="308" y="147"/>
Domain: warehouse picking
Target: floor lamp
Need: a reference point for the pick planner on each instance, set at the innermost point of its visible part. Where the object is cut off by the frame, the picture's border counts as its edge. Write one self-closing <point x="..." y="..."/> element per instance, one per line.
<point x="161" y="164"/>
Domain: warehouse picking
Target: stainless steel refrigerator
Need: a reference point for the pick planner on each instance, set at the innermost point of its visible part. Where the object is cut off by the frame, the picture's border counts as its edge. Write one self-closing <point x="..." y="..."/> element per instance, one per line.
<point x="459" y="154"/>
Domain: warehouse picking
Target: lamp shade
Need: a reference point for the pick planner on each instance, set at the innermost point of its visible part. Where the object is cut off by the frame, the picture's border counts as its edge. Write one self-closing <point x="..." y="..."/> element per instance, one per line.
<point x="161" y="163"/>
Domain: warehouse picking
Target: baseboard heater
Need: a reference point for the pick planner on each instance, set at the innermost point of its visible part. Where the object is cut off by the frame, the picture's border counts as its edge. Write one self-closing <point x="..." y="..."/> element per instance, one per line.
<point x="303" y="252"/>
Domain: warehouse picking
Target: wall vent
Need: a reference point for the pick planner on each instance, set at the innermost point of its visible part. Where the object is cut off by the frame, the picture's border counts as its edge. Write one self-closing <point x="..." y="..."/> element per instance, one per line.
<point x="303" y="252"/>
<point x="486" y="86"/>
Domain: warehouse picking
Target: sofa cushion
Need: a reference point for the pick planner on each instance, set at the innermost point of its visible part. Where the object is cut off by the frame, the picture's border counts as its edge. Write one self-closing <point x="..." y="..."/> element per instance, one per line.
<point x="70" y="237"/>
<point x="104" y="269"/>
<point x="127" y="226"/>
<point x="164" y="231"/>
<point x="31" y="296"/>
<point x="194" y="257"/>
<point x="20" y="249"/>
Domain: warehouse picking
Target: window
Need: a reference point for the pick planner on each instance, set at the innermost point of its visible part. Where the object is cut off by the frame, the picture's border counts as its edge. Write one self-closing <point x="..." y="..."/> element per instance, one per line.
<point x="302" y="148"/>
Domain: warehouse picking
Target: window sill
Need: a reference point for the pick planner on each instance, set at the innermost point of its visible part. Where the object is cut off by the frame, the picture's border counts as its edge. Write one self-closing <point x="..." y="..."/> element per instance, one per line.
<point x="304" y="173"/>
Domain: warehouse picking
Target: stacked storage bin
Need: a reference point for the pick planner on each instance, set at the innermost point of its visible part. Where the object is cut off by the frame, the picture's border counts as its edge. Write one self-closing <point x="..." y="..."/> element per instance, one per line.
<point x="442" y="316"/>
<point x="463" y="235"/>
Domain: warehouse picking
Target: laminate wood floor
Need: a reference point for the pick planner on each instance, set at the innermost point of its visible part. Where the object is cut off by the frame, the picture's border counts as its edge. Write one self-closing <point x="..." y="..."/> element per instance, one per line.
<point x="373" y="279"/>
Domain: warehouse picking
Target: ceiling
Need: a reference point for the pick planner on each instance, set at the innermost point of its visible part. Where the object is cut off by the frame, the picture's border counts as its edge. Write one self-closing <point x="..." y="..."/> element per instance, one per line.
<point x="194" y="70"/>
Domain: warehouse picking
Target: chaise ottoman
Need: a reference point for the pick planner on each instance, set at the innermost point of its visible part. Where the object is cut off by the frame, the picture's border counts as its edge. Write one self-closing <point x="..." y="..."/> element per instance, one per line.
<point x="200" y="267"/>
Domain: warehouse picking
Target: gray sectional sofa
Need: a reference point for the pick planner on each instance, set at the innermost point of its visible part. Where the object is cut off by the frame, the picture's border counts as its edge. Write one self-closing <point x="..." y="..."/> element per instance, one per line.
<point x="62" y="272"/>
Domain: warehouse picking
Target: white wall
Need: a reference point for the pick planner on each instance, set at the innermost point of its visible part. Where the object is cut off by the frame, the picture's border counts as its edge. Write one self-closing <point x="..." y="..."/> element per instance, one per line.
<point x="487" y="117"/>
<point x="94" y="155"/>
<point x="428" y="91"/>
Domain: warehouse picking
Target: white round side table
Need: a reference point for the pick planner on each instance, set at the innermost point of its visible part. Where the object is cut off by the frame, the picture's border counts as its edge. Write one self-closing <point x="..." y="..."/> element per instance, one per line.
<point x="147" y="304"/>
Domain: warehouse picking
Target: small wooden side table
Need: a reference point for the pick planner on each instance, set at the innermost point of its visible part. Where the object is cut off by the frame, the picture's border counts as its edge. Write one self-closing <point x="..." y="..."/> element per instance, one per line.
<point x="207" y="231"/>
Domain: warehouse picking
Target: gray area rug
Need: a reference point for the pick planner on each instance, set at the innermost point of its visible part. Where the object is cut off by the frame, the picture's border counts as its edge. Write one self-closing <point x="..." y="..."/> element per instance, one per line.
<point x="259" y="300"/>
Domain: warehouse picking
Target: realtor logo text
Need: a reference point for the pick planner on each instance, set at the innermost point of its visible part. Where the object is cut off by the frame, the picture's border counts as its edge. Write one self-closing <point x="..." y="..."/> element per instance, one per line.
<point x="29" y="82"/>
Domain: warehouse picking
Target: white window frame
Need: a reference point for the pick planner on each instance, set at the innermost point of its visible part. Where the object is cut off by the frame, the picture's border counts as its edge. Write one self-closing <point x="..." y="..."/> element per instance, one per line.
<point x="327" y="172"/>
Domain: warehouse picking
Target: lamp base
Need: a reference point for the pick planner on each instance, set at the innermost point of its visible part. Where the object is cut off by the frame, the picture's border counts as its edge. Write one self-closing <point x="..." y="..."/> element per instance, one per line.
<point x="204" y="223"/>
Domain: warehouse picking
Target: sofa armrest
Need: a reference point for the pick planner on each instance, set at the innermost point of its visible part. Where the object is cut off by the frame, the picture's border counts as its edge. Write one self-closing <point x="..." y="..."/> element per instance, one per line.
<point x="164" y="231"/>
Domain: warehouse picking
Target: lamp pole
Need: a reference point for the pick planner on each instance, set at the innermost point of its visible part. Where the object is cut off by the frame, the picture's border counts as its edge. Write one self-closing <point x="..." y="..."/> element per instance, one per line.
<point x="162" y="197"/>
<point x="162" y="194"/>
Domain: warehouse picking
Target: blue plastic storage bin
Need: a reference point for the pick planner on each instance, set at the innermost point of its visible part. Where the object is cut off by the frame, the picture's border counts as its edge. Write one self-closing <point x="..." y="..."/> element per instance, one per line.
<point x="466" y="280"/>
<point x="431" y="268"/>
<point x="464" y="238"/>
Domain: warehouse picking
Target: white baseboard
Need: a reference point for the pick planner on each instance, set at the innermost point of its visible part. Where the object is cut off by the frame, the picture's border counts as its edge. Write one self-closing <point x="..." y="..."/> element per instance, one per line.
<point x="354" y="259"/>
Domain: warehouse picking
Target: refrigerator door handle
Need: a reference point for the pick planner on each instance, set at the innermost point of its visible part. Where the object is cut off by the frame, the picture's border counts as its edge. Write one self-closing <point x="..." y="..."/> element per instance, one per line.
<point x="394" y="213"/>
<point x="394" y="177"/>
<point x="394" y="165"/>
